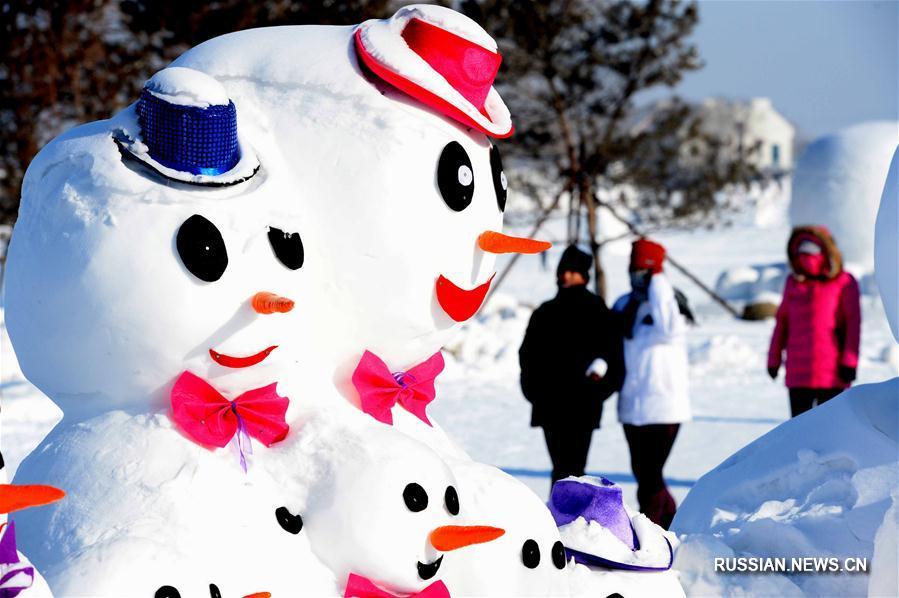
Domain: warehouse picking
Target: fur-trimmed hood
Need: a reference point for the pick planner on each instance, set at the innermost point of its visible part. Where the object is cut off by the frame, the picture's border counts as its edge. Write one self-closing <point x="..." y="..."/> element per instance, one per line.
<point x="822" y="235"/>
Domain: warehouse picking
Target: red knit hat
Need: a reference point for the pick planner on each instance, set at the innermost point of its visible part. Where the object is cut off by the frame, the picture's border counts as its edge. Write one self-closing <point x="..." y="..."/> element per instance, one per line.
<point x="647" y="255"/>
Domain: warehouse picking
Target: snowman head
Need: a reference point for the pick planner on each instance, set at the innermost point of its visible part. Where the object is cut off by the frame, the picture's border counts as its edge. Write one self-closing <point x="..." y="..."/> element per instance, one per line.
<point x="388" y="514"/>
<point x="528" y="560"/>
<point x="389" y="128"/>
<point x="151" y="244"/>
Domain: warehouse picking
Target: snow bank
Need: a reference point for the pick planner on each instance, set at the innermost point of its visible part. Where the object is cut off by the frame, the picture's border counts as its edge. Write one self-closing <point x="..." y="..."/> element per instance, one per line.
<point x="838" y="182"/>
<point x="818" y="485"/>
<point x="753" y="284"/>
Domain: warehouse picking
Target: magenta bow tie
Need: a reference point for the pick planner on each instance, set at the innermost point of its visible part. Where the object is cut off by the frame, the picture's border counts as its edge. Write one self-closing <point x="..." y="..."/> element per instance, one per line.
<point x="362" y="587"/>
<point x="379" y="389"/>
<point x="210" y="419"/>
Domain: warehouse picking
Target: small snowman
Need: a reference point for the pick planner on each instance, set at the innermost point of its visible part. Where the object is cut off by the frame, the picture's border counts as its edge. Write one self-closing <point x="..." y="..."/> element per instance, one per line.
<point x="386" y="514"/>
<point x="146" y="295"/>
<point x="617" y="553"/>
<point x="528" y="560"/>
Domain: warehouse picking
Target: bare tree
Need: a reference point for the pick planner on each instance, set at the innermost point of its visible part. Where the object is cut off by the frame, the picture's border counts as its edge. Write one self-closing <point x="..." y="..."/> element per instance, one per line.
<point x="69" y="62"/>
<point x="572" y="71"/>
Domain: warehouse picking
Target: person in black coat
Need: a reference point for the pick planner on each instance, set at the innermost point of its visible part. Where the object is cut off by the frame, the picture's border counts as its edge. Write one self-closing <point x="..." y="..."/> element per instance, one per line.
<point x="564" y="337"/>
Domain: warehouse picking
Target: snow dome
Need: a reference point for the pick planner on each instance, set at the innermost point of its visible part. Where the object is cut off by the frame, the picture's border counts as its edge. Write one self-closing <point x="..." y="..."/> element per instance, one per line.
<point x="838" y="181"/>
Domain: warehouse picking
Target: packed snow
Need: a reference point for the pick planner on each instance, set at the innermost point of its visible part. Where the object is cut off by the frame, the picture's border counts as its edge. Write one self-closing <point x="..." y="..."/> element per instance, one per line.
<point x="838" y="181"/>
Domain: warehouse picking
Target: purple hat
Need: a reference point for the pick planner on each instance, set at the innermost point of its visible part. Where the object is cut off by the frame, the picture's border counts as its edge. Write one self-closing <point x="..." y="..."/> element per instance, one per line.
<point x="598" y="501"/>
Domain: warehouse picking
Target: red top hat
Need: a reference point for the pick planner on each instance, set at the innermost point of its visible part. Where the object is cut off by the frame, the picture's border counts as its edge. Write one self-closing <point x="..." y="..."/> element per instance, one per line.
<point x="442" y="59"/>
<point x="647" y="255"/>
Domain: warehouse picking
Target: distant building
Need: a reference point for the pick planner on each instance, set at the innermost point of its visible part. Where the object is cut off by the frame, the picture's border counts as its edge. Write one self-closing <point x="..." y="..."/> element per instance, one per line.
<point x="747" y="123"/>
<point x="740" y="125"/>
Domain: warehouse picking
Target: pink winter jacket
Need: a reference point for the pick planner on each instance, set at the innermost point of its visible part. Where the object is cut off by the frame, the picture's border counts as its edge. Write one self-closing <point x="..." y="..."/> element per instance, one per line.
<point x="819" y="325"/>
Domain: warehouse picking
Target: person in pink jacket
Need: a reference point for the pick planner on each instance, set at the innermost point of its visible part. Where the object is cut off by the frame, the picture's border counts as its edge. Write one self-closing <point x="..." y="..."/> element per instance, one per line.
<point x="818" y="322"/>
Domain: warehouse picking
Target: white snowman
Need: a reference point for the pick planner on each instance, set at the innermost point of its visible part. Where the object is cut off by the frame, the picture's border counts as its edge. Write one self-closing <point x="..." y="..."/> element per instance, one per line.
<point x="384" y="513"/>
<point x="147" y="295"/>
<point x="528" y="560"/>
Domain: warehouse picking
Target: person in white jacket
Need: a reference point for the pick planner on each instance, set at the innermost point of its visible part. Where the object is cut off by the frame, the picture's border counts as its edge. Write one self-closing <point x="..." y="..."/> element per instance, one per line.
<point x="653" y="400"/>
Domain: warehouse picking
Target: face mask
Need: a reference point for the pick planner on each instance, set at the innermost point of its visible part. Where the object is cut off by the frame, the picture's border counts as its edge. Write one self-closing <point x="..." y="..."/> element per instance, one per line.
<point x="639" y="280"/>
<point x="812" y="264"/>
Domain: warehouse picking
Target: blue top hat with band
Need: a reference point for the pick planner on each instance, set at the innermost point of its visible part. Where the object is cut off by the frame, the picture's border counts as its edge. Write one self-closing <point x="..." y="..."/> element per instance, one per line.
<point x="597" y="530"/>
<point x="186" y="130"/>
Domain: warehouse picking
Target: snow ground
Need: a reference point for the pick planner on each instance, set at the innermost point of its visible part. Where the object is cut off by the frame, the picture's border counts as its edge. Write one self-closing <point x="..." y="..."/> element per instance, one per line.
<point x="481" y="406"/>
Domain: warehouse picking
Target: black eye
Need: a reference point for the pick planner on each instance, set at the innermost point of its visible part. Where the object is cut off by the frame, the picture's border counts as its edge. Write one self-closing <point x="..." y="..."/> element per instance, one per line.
<point x="559" y="555"/>
<point x="214" y="591"/>
<point x="167" y="592"/>
<point x="202" y="248"/>
<point x="415" y="497"/>
<point x="290" y="523"/>
<point x="455" y="178"/>
<point x="288" y="247"/>
<point x="530" y="554"/>
<point x="500" y="184"/>
<point x="451" y="498"/>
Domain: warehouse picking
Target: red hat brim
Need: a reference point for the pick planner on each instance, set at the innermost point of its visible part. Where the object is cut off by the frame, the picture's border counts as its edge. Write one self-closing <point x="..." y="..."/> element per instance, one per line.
<point x="493" y="121"/>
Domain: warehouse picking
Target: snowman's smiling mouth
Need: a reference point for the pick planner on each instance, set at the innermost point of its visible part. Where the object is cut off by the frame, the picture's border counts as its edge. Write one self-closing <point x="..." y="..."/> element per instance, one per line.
<point x="428" y="570"/>
<point x="229" y="361"/>
<point x="458" y="303"/>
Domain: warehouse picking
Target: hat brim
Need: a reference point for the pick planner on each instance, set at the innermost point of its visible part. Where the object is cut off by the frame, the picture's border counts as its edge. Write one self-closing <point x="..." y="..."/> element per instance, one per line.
<point x="596" y="560"/>
<point x="377" y="49"/>
<point x="132" y="147"/>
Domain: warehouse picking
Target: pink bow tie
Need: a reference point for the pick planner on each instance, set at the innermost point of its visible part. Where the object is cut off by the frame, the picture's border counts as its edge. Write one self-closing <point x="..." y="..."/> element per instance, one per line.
<point x="379" y="389"/>
<point x="210" y="419"/>
<point x="362" y="587"/>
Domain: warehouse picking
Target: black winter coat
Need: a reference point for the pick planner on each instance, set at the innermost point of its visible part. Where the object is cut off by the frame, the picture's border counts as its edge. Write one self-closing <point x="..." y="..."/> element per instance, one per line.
<point x="565" y="335"/>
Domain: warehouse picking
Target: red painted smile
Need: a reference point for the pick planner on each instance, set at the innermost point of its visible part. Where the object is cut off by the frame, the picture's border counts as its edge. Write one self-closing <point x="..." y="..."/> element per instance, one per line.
<point x="240" y="362"/>
<point x="458" y="303"/>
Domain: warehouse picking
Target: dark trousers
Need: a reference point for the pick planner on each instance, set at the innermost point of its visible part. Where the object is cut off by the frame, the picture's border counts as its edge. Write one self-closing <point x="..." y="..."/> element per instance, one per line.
<point x="568" y="446"/>
<point x="803" y="399"/>
<point x="650" y="446"/>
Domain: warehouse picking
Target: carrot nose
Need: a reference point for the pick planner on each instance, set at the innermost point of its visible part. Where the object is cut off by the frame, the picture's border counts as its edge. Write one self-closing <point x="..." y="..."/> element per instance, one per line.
<point x="494" y="242"/>
<point x="259" y="595"/>
<point x="270" y="303"/>
<point x="451" y="537"/>
<point x="15" y="497"/>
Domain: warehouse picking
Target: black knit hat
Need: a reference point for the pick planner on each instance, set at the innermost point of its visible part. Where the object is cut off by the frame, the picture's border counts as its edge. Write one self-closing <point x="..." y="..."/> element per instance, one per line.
<point x="575" y="260"/>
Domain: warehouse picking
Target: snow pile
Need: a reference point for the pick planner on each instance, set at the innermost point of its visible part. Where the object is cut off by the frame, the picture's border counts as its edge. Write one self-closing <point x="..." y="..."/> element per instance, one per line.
<point x="758" y="283"/>
<point x="817" y="486"/>
<point x="723" y="351"/>
<point x="491" y="339"/>
<point x="838" y="182"/>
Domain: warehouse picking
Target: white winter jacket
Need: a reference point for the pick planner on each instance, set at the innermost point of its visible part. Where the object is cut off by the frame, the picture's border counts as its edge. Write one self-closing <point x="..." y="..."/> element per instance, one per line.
<point x="655" y="389"/>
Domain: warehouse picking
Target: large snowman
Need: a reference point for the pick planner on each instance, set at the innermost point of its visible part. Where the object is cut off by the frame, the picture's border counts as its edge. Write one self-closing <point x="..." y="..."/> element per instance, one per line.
<point x="147" y="296"/>
<point x="389" y="127"/>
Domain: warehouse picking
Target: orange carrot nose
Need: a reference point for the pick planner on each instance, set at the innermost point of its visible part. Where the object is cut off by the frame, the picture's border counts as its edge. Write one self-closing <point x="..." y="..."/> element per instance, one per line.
<point x="15" y="498"/>
<point x="451" y="537"/>
<point x="494" y="242"/>
<point x="259" y="595"/>
<point x="269" y="303"/>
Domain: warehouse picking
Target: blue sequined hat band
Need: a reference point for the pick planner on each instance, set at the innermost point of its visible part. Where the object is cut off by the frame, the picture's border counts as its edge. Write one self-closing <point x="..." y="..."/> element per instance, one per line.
<point x="189" y="138"/>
